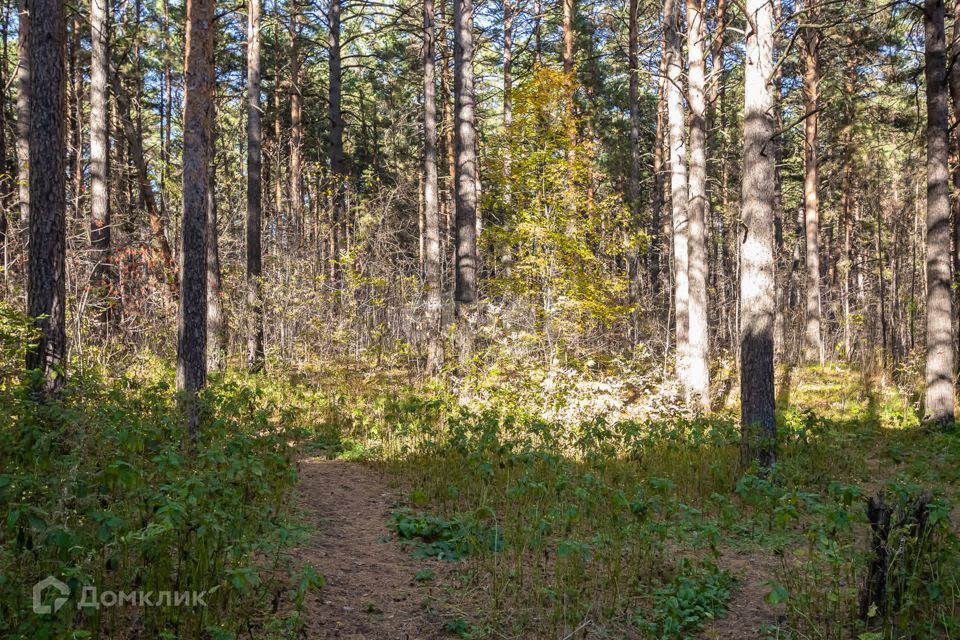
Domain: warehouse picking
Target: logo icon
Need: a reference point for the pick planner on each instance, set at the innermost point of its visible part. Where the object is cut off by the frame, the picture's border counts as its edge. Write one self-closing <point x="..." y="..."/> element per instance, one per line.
<point x="40" y="587"/>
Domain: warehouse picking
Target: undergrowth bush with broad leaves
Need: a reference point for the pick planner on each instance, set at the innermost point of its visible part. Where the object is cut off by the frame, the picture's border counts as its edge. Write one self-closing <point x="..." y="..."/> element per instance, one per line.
<point x="101" y="489"/>
<point x="679" y="609"/>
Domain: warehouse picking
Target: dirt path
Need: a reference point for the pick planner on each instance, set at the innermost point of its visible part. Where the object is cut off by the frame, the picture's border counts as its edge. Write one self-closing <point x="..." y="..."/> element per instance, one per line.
<point x="748" y="614"/>
<point x="371" y="593"/>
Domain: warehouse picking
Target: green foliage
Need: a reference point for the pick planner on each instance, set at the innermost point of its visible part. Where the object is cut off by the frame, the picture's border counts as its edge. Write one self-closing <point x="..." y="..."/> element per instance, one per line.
<point x="17" y="334"/>
<point x="681" y="607"/>
<point x="553" y="227"/>
<point x="632" y="520"/>
<point x="454" y="539"/>
<point x="101" y="488"/>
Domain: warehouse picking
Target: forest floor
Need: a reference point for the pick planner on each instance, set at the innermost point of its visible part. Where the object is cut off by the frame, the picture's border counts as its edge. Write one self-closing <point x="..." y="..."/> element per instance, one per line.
<point x="371" y="590"/>
<point x="488" y="524"/>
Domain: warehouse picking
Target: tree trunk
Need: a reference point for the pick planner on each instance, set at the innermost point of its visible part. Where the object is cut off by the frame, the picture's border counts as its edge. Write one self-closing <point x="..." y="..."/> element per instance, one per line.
<point x="813" y="344"/>
<point x="756" y="253"/>
<point x="939" y="369"/>
<point x="197" y="130"/>
<point x="46" y="281"/>
<point x="431" y="210"/>
<point x="337" y="160"/>
<point x="633" y="190"/>
<point x="296" y="115"/>
<point x="75" y="119"/>
<point x="166" y="109"/>
<point x="698" y="370"/>
<point x="255" y="310"/>
<point x="100" y="241"/>
<point x="679" y="194"/>
<point x="508" y="15"/>
<point x="568" y="9"/>
<point x="217" y="336"/>
<point x="846" y="203"/>
<point x="465" y="294"/>
<point x="954" y="83"/>
<point x="23" y="110"/>
<point x="657" y="195"/>
<point x="6" y="171"/>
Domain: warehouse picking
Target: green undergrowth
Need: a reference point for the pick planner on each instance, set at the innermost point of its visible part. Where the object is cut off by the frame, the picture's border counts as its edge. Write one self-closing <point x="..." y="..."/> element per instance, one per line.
<point x="628" y="526"/>
<point x="101" y="489"/>
<point x="453" y="539"/>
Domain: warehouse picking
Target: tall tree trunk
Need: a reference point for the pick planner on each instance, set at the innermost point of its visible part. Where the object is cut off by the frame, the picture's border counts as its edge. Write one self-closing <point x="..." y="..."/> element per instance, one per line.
<point x="100" y="241"/>
<point x="939" y="370"/>
<point x="568" y="9"/>
<point x="698" y="370"/>
<point x="633" y="188"/>
<point x="296" y="114"/>
<point x="23" y="110"/>
<point x="776" y="147"/>
<point x="255" y="306"/>
<point x="280" y="216"/>
<point x="46" y="281"/>
<point x="756" y="254"/>
<point x="954" y="83"/>
<point x="217" y="336"/>
<point x="717" y="120"/>
<point x="657" y="195"/>
<point x="813" y="344"/>
<point x="431" y="206"/>
<point x="847" y="202"/>
<point x="166" y="109"/>
<point x="6" y="171"/>
<point x="338" y="167"/>
<point x="679" y="194"/>
<point x="197" y="139"/>
<point x="508" y="15"/>
<point x="75" y="108"/>
<point x="465" y="294"/>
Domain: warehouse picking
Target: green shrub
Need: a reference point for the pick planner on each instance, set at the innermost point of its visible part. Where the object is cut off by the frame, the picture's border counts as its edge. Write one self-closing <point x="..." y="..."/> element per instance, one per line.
<point x="101" y="489"/>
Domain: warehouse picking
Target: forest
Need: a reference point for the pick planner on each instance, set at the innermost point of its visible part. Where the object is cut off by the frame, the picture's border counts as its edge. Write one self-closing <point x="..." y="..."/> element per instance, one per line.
<point x="484" y="319"/>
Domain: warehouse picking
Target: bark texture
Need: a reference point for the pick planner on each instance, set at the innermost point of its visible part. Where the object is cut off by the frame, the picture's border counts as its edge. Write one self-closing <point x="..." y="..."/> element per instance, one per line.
<point x="197" y="147"/>
<point x="679" y="194"/>
<point x="23" y="110"/>
<point x="255" y="310"/>
<point x="100" y="240"/>
<point x="633" y="190"/>
<point x="217" y="329"/>
<point x="431" y="205"/>
<point x="465" y="294"/>
<point x="756" y="252"/>
<point x="698" y="370"/>
<point x="338" y="167"/>
<point x="46" y="272"/>
<point x="813" y="343"/>
<point x="939" y="369"/>
<point x="296" y="116"/>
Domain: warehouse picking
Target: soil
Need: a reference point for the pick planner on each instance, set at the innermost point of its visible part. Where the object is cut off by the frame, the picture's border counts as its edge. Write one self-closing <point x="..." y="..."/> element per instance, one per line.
<point x="371" y="593"/>
<point x="748" y="613"/>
